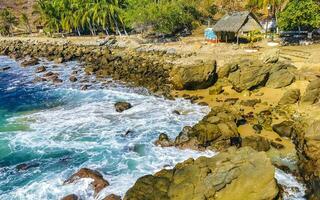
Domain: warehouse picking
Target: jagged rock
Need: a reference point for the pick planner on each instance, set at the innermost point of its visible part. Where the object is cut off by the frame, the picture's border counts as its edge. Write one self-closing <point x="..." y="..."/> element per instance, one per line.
<point x="112" y="197"/>
<point x="193" y="77"/>
<point x="164" y="140"/>
<point x="122" y="106"/>
<point x="98" y="182"/>
<point x="290" y="97"/>
<point x="58" y="60"/>
<point x="234" y="174"/>
<point x="216" y="89"/>
<point x="312" y="94"/>
<point x="214" y="130"/>
<point x="284" y="129"/>
<point x="30" y="62"/>
<point x="71" y="197"/>
<point x="256" y="142"/>
<point x="26" y="166"/>
<point x="41" y="69"/>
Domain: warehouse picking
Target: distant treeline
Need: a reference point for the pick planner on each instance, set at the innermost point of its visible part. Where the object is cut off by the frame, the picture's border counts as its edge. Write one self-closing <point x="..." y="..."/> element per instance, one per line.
<point x="157" y="16"/>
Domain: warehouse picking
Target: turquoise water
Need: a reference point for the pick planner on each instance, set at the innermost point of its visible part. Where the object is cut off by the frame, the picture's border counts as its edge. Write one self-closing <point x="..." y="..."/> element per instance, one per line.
<point x="59" y="129"/>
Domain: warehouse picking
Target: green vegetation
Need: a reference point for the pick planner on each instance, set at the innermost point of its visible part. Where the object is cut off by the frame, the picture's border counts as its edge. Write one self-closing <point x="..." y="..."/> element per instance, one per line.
<point x="7" y="21"/>
<point x="300" y="14"/>
<point x="82" y="16"/>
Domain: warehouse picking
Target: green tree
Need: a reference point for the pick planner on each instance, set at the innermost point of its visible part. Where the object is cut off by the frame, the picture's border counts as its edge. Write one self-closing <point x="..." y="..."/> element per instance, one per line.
<point x="7" y="22"/>
<point x="300" y="14"/>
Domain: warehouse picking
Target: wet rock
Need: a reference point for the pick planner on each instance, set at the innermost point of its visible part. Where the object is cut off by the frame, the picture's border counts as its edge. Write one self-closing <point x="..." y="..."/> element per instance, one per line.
<point x="5" y="68"/>
<point x="26" y="166"/>
<point x="312" y="94"/>
<point x="30" y="62"/>
<point x="284" y="129"/>
<point x="256" y="142"/>
<point x="176" y="112"/>
<point x="85" y="87"/>
<point x="217" y="178"/>
<point x="164" y="141"/>
<point x="213" y="131"/>
<point x="203" y="104"/>
<point x="98" y="183"/>
<point x="73" y="79"/>
<point x="250" y="102"/>
<point x="290" y="97"/>
<point x="122" y="106"/>
<point x="193" y="77"/>
<point x="112" y="197"/>
<point x="41" y="69"/>
<point x="71" y="197"/>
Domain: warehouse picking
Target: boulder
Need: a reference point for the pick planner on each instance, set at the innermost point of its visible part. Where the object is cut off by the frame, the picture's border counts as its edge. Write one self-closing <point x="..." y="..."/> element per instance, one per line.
<point x="112" y="197"/>
<point x="256" y="142"/>
<point x="233" y="174"/>
<point x="73" y="79"/>
<point x="284" y="129"/>
<point x="122" y="106"/>
<point x="280" y="79"/>
<point x="290" y="97"/>
<point x="71" y="197"/>
<point x="249" y="75"/>
<point x="193" y="77"/>
<point x="98" y="183"/>
<point x="26" y="166"/>
<point x="213" y="131"/>
<point x="312" y="94"/>
<point x="30" y="62"/>
<point x="250" y="102"/>
<point x="163" y="141"/>
<point x="271" y="56"/>
<point x="41" y="69"/>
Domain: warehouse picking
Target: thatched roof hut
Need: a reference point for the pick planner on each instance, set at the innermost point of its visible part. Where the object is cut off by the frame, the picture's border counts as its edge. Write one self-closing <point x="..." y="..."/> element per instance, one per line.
<point x="233" y="24"/>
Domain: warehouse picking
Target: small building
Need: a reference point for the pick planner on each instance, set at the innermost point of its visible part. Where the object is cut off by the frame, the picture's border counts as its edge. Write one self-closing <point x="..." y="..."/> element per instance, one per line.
<point x="232" y="25"/>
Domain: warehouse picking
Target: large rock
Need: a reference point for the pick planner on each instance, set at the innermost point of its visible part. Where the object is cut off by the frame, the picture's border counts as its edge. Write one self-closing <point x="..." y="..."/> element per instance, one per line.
<point x="98" y="183"/>
<point x="271" y="56"/>
<point x="280" y="79"/>
<point x="249" y="74"/>
<point x="256" y="142"/>
<point x="193" y="77"/>
<point x="214" y="131"/>
<point x="71" y="197"/>
<point x="311" y="165"/>
<point x="30" y="62"/>
<point x="290" y="97"/>
<point x="284" y="129"/>
<point x="122" y="106"/>
<point x="312" y="94"/>
<point x="234" y="174"/>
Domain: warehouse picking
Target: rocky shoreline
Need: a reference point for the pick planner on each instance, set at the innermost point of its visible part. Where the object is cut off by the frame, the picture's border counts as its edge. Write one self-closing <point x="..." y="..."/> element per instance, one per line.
<point x="265" y="131"/>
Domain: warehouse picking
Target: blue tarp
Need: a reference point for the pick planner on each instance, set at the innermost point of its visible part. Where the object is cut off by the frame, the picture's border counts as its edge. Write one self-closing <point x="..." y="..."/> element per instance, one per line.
<point x="209" y="34"/>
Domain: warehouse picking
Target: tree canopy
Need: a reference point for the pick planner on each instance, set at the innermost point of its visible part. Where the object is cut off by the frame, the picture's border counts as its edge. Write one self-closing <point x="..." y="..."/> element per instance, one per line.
<point x="300" y="14"/>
